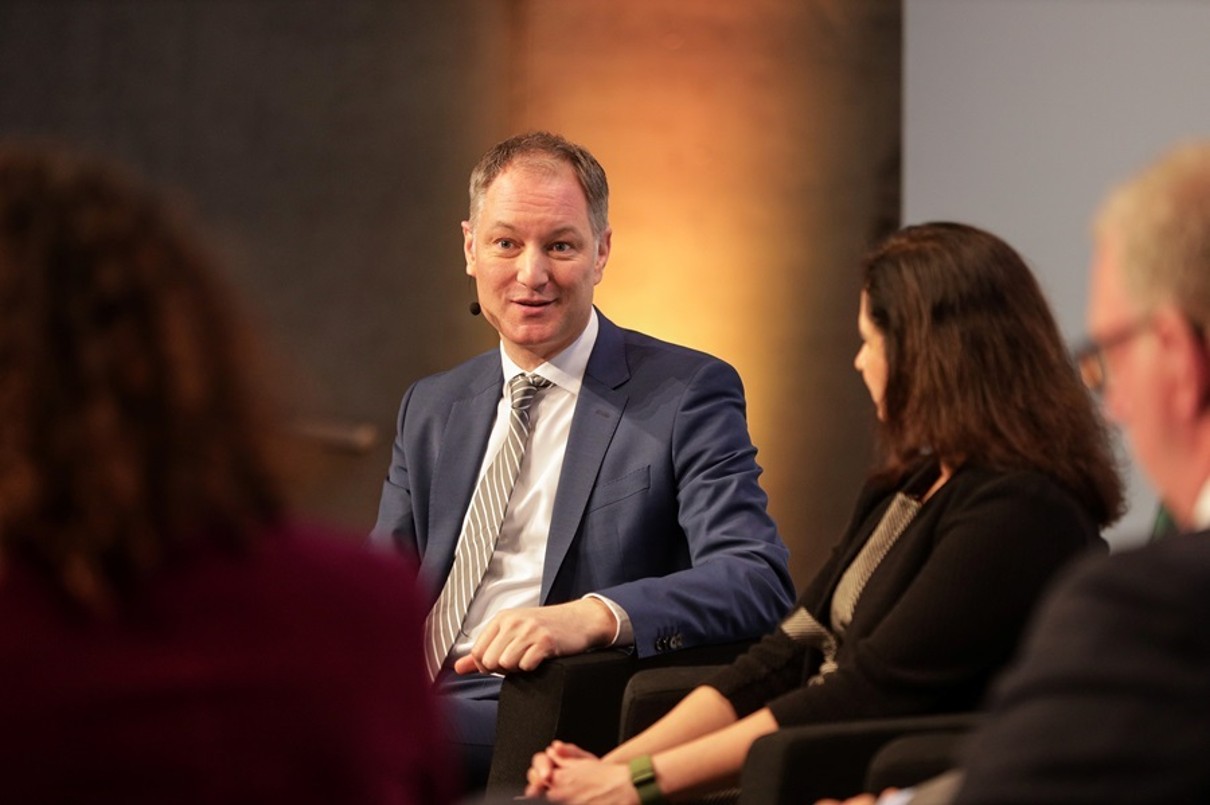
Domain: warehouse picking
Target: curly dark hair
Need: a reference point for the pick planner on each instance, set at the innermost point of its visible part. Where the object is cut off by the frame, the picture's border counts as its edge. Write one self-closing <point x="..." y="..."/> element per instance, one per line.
<point x="976" y="367"/>
<point x="128" y="430"/>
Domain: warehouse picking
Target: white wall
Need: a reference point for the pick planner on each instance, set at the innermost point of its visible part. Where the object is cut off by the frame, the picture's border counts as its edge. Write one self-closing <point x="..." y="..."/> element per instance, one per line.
<point x="1020" y="114"/>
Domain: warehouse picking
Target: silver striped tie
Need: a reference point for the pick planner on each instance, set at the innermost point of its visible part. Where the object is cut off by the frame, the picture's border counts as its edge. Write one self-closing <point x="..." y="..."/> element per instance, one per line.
<point x="482" y="528"/>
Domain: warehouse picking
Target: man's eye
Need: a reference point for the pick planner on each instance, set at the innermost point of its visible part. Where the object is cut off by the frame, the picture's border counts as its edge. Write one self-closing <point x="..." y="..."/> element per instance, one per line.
<point x="504" y="243"/>
<point x="561" y="246"/>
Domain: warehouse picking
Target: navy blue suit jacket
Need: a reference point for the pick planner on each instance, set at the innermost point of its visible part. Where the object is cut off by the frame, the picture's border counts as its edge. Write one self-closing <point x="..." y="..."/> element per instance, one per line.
<point x="657" y="508"/>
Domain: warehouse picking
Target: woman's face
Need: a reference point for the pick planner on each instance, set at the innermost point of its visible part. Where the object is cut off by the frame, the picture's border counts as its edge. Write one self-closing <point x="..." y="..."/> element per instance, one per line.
<point x="871" y="358"/>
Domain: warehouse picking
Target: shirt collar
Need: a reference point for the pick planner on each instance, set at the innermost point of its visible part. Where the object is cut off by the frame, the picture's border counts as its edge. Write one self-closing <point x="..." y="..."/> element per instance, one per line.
<point x="565" y="370"/>
<point x="1201" y="507"/>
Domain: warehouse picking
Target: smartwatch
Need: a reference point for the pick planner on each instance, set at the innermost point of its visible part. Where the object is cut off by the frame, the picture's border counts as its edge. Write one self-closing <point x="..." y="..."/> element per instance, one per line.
<point x="642" y="775"/>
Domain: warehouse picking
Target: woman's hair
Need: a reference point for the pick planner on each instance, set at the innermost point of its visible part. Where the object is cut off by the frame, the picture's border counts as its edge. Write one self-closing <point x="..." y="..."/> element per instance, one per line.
<point x="127" y="427"/>
<point x="976" y="368"/>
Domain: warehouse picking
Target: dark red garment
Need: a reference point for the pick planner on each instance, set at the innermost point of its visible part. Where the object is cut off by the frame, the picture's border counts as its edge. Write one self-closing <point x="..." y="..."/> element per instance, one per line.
<point x="289" y="673"/>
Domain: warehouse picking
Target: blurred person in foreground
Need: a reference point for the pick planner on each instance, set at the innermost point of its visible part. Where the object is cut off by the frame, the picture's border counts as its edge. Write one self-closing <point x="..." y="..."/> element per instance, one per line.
<point x="996" y="472"/>
<point x="1110" y="698"/>
<point x="166" y="634"/>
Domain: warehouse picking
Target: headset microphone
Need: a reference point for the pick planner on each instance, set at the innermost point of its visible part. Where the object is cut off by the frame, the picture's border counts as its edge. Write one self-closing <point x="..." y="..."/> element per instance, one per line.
<point x="473" y="307"/>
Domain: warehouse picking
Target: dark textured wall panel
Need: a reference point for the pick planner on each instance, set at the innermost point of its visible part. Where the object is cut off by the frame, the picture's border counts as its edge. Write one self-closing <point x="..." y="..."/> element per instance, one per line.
<point x="325" y="145"/>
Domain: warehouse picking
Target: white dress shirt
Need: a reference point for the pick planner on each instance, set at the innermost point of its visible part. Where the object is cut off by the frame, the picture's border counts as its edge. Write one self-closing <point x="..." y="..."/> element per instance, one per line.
<point x="514" y="574"/>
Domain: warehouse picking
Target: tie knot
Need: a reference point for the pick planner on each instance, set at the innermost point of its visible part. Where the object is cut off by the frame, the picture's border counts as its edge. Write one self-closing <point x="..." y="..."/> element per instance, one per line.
<point x="522" y="388"/>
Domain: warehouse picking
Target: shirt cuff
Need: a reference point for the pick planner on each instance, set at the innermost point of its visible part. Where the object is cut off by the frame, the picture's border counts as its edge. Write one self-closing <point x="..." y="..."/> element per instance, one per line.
<point x="901" y="797"/>
<point x="623" y="635"/>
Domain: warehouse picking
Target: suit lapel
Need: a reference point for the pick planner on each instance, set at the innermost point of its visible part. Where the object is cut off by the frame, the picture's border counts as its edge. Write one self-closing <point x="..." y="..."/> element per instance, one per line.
<point x="463" y="444"/>
<point x="598" y="411"/>
<point x="917" y="484"/>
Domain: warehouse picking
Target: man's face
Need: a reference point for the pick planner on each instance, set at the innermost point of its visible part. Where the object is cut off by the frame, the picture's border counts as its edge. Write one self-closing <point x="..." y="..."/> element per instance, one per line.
<point x="1135" y="389"/>
<point x="535" y="261"/>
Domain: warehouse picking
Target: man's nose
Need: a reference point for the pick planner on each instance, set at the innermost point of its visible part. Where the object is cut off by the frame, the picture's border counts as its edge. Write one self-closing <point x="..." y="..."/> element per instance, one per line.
<point x="533" y="269"/>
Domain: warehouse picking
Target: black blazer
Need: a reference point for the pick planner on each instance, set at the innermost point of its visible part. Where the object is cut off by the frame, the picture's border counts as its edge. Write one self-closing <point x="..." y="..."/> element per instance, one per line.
<point x="1110" y="700"/>
<point x="939" y="616"/>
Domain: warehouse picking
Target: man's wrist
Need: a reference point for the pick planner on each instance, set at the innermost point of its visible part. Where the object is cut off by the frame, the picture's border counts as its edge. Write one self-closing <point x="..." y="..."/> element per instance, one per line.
<point x="622" y="634"/>
<point x="610" y="625"/>
<point x="642" y="776"/>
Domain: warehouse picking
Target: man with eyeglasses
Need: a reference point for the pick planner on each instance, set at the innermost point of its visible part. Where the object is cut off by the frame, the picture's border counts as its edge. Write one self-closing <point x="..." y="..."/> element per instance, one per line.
<point x="1110" y="700"/>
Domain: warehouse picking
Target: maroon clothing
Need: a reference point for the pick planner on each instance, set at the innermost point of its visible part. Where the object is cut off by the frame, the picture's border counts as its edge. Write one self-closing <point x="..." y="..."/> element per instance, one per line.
<point x="291" y="672"/>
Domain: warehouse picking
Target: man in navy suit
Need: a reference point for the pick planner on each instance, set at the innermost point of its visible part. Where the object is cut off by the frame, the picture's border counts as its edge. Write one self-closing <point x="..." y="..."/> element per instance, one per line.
<point x="637" y="518"/>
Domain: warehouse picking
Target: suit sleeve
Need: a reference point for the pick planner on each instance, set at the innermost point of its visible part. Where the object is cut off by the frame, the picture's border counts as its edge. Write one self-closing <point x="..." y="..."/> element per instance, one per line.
<point x="738" y="585"/>
<point x="1110" y="701"/>
<point x="395" y="527"/>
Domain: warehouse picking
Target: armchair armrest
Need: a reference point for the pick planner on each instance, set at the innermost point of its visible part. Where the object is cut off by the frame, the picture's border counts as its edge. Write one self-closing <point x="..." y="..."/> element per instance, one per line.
<point x="803" y="764"/>
<point x="570" y="698"/>
<point x="911" y="759"/>
<point x="576" y="699"/>
<point x="653" y="692"/>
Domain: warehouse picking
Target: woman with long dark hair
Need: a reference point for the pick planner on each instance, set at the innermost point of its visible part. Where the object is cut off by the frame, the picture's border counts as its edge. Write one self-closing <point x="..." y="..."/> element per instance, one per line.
<point x="996" y="471"/>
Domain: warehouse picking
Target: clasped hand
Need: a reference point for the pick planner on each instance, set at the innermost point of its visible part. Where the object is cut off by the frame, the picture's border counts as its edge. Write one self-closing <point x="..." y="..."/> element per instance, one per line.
<point x="521" y="639"/>
<point x="566" y="773"/>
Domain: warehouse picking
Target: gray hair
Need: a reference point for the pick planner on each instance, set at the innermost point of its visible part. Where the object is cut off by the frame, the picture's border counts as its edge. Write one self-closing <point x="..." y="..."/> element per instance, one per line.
<point x="539" y="148"/>
<point x="1159" y="221"/>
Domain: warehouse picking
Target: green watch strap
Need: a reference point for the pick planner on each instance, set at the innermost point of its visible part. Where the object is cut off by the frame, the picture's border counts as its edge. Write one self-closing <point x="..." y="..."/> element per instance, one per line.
<point x="642" y="774"/>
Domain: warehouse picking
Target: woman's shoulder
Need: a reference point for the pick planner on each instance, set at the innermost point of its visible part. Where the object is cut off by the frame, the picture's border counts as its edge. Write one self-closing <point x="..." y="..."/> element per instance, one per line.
<point x="1029" y="500"/>
<point x="974" y="478"/>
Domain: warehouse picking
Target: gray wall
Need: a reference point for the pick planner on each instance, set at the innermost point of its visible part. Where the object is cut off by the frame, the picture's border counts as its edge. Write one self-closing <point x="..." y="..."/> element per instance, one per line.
<point x="1020" y="114"/>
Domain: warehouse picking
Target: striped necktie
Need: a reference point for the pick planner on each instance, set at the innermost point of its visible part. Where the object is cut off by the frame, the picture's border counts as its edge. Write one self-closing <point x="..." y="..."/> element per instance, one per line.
<point x="481" y="529"/>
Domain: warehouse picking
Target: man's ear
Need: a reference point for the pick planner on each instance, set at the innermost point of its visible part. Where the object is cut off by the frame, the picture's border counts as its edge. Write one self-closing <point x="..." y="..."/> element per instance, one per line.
<point x="1183" y="353"/>
<point x="468" y="247"/>
<point x="1201" y="356"/>
<point x="604" y="245"/>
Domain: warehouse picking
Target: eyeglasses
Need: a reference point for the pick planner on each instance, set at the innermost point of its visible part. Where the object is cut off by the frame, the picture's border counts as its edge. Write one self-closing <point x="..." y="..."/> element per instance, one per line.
<point x="1090" y="357"/>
